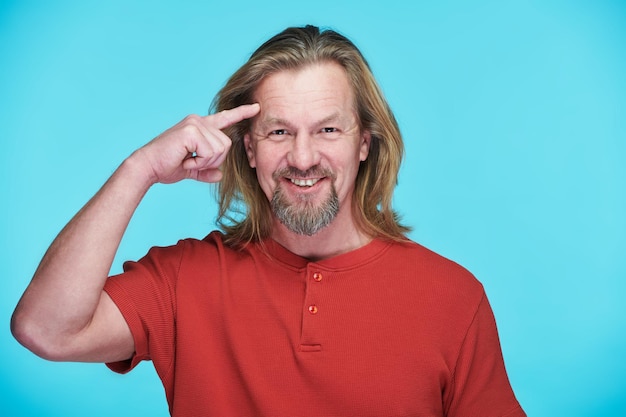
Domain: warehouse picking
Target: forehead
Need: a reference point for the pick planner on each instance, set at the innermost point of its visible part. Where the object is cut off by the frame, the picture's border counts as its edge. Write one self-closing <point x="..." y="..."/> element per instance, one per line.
<point x="312" y="90"/>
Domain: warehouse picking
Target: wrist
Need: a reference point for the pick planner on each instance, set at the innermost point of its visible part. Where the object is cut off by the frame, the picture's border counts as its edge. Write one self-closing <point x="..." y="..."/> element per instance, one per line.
<point x="140" y="173"/>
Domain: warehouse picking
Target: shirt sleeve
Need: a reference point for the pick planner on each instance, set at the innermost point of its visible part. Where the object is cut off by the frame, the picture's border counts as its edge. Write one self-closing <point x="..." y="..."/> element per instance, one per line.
<point x="480" y="385"/>
<point x="145" y="295"/>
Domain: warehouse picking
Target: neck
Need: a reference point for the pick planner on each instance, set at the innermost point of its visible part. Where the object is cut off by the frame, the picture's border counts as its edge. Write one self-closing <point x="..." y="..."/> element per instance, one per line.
<point x="336" y="238"/>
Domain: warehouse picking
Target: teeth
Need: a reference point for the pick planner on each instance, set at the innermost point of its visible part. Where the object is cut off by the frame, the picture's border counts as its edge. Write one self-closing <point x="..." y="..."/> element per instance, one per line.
<point x="304" y="183"/>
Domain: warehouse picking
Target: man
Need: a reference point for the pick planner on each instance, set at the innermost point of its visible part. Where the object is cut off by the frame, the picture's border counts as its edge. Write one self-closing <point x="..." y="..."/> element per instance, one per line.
<point x="312" y="302"/>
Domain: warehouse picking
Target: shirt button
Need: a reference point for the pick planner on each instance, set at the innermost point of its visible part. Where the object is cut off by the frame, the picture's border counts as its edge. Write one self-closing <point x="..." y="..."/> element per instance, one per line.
<point x="313" y="309"/>
<point x="317" y="276"/>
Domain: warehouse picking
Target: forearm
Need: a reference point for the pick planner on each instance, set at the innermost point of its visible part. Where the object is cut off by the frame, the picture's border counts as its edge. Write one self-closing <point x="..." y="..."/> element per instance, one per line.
<point x="65" y="290"/>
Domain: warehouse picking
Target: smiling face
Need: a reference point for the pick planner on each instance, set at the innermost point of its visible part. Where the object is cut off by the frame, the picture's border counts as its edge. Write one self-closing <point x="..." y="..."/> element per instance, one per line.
<point x="306" y="145"/>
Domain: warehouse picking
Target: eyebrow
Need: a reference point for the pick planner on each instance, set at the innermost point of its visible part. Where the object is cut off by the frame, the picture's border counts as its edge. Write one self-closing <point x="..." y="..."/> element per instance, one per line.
<point x="274" y="121"/>
<point x="332" y="118"/>
<point x="278" y="121"/>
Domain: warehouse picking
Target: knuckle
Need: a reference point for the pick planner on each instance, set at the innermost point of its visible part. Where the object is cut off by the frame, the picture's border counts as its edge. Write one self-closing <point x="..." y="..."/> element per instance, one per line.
<point x="190" y="129"/>
<point x="191" y="118"/>
<point x="225" y="116"/>
<point x="219" y="149"/>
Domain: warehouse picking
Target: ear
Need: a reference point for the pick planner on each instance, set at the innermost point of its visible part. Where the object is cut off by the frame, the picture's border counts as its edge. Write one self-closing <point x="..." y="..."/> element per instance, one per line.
<point x="247" y="143"/>
<point x="366" y="138"/>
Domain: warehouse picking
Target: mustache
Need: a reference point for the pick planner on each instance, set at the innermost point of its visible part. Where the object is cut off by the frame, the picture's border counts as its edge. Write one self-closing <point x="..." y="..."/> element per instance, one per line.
<point x="293" y="172"/>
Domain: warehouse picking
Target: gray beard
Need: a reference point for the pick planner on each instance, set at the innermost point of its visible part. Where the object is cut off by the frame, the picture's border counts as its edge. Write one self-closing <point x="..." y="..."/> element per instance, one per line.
<point x="303" y="217"/>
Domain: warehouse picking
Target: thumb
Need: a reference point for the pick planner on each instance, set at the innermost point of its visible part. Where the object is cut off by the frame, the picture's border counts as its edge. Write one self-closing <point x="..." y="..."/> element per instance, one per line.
<point x="209" y="175"/>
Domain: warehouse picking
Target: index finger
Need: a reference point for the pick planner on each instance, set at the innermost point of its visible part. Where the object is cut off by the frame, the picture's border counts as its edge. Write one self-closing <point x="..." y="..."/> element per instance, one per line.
<point x="227" y="118"/>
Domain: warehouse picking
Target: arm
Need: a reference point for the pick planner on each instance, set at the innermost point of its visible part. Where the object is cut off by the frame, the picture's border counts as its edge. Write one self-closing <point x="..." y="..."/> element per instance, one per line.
<point x="64" y="313"/>
<point x="480" y="384"/>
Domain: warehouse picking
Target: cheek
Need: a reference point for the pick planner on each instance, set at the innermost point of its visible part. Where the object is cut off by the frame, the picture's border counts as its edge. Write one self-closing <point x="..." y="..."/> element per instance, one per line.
<point x="345" y="169"/>
<point x="267" y="185"/>
<point x="269" y="157"/>
<point x="265" y="168"/>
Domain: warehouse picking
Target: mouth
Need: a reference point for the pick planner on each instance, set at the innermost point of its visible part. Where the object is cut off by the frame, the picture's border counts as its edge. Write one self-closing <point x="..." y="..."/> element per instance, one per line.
<point x="309" y="179"/>
<point x="308" y="182"/>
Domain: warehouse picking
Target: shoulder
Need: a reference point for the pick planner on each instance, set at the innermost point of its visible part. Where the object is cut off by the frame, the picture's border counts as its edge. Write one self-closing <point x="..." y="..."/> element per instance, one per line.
<point x="213" y="242"/>
<point x="432" y="270"/>
<point x="184" y="251"/>
<point x="212" y="250"/>
<point x="423" y="257"/>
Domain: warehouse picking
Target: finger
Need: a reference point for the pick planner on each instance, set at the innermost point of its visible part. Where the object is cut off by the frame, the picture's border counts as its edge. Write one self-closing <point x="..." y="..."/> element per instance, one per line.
<point x="209" y="175"/>
<point x="212" y="149"/>
<point x="227" y="118"/>
<point x="208" y="154"/>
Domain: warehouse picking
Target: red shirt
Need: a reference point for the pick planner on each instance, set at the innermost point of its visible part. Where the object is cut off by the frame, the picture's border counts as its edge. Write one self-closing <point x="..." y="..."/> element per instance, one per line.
<point x="389" y="329"/>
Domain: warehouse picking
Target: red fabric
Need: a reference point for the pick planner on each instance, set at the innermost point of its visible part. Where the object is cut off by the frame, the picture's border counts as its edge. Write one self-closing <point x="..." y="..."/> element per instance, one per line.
<point x="397" y="331"/>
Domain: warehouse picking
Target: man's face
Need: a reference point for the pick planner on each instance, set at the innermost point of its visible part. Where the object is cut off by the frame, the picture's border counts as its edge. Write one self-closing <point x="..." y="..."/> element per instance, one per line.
<point x="306" y="145"/>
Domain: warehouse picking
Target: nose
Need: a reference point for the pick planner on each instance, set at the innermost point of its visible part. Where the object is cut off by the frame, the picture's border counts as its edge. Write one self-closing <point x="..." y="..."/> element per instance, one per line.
<point x="303" y="153"/>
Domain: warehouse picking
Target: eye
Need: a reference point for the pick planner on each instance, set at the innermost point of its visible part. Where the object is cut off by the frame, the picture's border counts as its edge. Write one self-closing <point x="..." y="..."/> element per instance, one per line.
<point x="278" y="132"/>
<point x="329" y="130"/>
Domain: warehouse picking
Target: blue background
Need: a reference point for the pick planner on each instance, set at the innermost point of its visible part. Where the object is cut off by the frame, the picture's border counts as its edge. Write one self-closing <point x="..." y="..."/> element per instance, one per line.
<point x="514" y="117"/>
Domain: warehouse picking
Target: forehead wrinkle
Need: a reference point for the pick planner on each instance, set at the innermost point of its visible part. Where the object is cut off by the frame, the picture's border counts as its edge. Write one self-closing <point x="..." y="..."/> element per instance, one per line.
<point x="279" y="121"/>
<point x="334" y="117"/>
<point x="274" y="121"/>
<point x="290" y="103"/>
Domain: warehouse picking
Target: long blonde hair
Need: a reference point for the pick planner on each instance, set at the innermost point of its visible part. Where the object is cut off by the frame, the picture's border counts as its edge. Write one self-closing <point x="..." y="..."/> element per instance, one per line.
<point x="244" y="210"/>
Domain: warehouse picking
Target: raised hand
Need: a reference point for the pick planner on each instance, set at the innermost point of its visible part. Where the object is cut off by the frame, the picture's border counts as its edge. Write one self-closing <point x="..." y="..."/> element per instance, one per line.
<point x="194" y="148"/>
